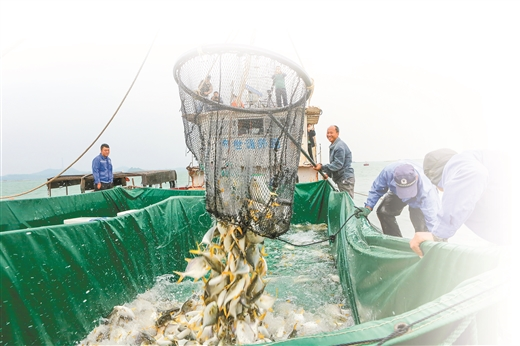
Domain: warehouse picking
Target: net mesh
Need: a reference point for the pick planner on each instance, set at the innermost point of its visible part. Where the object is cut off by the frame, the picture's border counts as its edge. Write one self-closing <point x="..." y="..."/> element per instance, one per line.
<point x="245" y="131"/>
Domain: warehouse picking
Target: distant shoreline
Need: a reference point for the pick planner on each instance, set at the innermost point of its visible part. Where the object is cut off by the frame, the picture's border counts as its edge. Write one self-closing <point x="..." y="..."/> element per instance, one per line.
<point x="49" y="173"/>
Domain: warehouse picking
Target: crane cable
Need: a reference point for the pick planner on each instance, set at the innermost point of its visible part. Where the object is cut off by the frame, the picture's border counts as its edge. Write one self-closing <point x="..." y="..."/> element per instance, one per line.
<point x="98" y="136"/>
<point x="311" y="87"/>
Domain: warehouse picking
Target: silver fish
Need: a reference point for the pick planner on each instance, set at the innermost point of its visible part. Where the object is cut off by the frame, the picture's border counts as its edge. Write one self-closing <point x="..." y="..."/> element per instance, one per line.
<point x="236" y="288"/>
<point x="258" y="190"/>
<point x="263" y="333"/>
<point x="221" y="297"/>
<point x="208" y="237"/>
<point x="242" y="267"/>
<point x="244" y="333"/>
<point x="213" y="341"/>
<point x="189" y="304"/>
<point x="240" y="242"/>
<point x="205" y="334"/>
<point x="227" y="241"/>
<point x="216" y="285"/>
<point x="163" y="341"/>
<point x="144" y="338"/>
<point x="183" y="334"/>
<point x="197" y="267"/>
<point x="232" y="309"/>
<point x="171" y="330"/>
<point x="252" y="254"/>
<point x="222" y="228"/>
<point x="210" y="314"/>
<point x="253" y="238"/>
<point x="261" y="267"/>
<point x="167" y="315"/>
<point x="214" y="261"/>
<point x="255" y="289"/>
<point x="231" y="265"/>
<point x="265" y="302"/>
<point x="120" y="315"/>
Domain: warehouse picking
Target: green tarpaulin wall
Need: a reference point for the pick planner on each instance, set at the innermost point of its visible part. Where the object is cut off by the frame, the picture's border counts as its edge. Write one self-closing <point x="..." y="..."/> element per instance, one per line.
<point x="57" y="280"/>
<point x="40" y="212"/>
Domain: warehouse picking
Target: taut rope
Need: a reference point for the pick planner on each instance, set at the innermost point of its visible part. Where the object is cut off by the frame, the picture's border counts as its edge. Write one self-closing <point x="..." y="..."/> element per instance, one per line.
<point x="94" y="141"/>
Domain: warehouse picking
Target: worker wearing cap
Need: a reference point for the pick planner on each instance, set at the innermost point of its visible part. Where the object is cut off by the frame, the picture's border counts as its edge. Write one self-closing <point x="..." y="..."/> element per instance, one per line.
<point x="476" y="193"/>
<point x="400" y="184"/>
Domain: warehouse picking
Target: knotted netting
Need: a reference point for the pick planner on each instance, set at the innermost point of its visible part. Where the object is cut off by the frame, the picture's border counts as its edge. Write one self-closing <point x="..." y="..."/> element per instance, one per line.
<point x="245" y="130"/>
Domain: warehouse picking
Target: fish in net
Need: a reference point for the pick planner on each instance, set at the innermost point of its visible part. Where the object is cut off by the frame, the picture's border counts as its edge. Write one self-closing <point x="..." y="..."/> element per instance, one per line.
<point x="243" y="112"/>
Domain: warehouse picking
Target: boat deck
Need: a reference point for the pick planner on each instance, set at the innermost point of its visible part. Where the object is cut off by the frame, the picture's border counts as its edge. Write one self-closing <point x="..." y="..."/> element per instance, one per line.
<point x="86" y="182"/>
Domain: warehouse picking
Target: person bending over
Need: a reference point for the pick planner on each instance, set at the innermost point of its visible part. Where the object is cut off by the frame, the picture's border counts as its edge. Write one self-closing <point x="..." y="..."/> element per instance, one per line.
<point x="475" y="187"/>
<point x="402" y="184"/>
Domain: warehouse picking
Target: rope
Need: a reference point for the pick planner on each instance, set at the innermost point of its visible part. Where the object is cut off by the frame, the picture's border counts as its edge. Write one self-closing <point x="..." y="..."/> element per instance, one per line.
<point x="311" y="87"/>
<point x="331" y="238"/>
<point x="295" y="50"/>
<point x="243" y="81"/>
<point x="201" y="52"/>
<point x="102" y="131"/>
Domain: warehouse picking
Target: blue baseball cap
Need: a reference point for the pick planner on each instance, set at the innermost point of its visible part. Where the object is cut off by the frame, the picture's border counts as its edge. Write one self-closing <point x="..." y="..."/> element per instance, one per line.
<point x="405" y="179"/>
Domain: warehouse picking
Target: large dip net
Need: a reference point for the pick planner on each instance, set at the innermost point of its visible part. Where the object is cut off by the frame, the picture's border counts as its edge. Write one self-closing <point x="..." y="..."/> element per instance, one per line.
<point x="245" y="130"/>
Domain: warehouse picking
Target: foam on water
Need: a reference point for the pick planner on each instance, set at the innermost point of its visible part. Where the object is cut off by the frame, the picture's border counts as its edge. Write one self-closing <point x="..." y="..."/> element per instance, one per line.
<point x="305" y="275"/>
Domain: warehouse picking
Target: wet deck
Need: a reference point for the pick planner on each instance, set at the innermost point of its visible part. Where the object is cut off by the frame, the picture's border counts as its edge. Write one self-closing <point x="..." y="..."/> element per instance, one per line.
<point x="86" y="182"/>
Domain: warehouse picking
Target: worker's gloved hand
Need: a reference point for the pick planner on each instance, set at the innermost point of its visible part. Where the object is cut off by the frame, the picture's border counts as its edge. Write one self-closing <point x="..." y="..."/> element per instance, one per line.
<point x="362" y="212"/>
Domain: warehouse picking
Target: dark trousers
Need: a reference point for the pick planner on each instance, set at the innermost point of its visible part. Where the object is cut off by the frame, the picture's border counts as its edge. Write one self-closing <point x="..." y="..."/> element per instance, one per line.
<point x="392" y="206"/>
<point x="281" y="95"/>
<point x="347" y="185"/>
<point x="104" y="186"/>
<point x="199" y="106"/>
<point x="310" y="151"/>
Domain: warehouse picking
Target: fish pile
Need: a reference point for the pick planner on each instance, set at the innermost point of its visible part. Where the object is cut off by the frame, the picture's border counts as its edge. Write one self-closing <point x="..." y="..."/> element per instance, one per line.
<point x="157" y="318"/>
<point x="230" y="310"/>
<point x="233" y="302"/>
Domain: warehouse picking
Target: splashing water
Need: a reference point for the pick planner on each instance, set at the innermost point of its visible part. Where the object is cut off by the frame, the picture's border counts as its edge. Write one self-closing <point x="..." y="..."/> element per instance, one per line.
<point x="301" y="295"/>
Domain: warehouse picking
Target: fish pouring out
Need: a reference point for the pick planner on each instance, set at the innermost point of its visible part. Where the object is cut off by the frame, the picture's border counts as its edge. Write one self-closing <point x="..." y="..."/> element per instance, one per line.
<point x="232" y="306"/>
<point x="228" y="304"/>
<point x="231" y="309"/>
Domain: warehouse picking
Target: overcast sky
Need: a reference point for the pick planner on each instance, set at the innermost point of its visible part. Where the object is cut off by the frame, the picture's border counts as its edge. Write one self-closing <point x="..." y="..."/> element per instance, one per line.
<point x="400" y="78"/>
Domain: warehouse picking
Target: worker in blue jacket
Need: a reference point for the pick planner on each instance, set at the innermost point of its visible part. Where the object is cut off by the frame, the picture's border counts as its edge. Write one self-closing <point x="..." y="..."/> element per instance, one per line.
<point x="400" y="184"/>
<point x="102" y="169"/>
<point x="475" y="189"/>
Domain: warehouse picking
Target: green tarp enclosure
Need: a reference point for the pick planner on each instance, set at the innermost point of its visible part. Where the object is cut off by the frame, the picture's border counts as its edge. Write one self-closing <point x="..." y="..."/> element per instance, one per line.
<point x="58" y="279"/>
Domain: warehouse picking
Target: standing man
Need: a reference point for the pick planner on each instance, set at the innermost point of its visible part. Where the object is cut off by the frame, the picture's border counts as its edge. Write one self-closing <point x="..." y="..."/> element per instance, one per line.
<point x="476" y="192"/>
<point x="340" y="157"/>
<point x="311" y="134"/>
<point x="402" y="183"/>
<point x="204" y="89"/>
<point x="279" y="87"/>
<point x="102" y="169"/>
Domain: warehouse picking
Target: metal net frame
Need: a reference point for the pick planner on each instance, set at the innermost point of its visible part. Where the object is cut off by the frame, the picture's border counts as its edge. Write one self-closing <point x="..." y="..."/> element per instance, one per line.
<point x="247" y="139"/>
